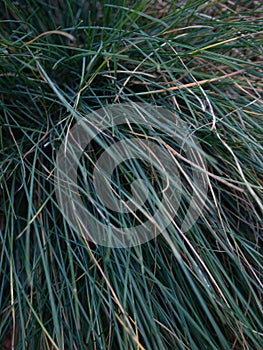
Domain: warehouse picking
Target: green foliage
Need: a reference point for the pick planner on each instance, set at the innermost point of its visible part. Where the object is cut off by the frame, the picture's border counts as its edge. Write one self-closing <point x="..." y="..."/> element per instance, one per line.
<point x="199" y="290"/>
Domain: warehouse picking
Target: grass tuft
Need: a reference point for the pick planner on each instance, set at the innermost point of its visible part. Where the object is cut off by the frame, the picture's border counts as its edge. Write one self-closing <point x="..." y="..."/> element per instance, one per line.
<point x="60" y="60"/>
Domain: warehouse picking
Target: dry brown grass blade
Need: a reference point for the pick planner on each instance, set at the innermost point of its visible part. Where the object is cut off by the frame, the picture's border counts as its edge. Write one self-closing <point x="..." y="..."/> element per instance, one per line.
<point x="190" y="85"/>
<point x="57" y="32"/>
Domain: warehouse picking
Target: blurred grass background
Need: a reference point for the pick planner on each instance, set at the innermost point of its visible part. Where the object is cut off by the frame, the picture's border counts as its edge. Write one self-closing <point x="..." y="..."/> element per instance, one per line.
<point x="63" y="59"/>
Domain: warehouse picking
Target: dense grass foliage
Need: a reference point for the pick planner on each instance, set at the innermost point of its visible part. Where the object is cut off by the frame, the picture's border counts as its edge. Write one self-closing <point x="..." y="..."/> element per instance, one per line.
<point x="60" y="60"/>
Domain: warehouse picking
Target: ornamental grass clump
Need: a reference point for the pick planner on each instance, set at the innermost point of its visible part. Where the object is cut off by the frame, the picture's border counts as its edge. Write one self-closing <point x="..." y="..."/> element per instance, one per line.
<point x="200" y="289"/>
